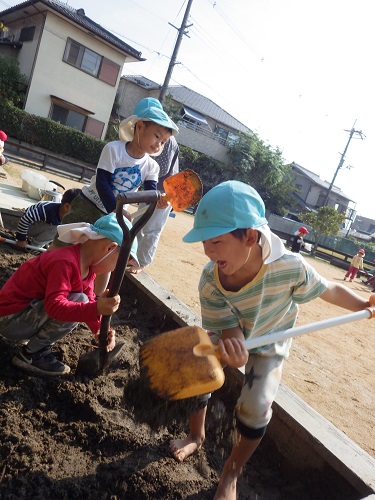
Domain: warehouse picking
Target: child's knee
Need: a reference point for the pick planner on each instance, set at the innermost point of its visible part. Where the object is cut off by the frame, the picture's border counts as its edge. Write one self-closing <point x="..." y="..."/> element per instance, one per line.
<point x="254" y="415"/>
<point x="78" y="297"/>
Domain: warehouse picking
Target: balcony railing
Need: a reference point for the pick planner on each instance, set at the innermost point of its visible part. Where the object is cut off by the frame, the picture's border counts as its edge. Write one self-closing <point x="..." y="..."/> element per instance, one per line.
<point x="203" y="131"/>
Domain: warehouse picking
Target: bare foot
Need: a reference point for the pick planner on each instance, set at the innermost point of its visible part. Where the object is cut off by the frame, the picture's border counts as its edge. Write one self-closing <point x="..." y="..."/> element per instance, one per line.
<point x="182" y="448"/>
<point x="134" y="269"/>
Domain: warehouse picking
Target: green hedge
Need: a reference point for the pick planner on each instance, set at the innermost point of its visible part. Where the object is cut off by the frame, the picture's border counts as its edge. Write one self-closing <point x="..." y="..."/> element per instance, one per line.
<point x="48" y="134"/>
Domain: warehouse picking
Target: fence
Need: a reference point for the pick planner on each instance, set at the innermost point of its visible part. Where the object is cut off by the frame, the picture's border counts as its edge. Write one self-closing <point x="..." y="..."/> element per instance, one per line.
<point x="337" y="246"/>
<point x="40" y="158"/>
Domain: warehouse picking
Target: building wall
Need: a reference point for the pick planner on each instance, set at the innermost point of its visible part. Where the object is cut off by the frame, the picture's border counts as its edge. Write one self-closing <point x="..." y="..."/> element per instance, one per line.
<point x="304" y="185"/>
<point x="68" y="82"/>
<point x="26" y="55"/>
<point x="128" y="95"/>
<point x="41" y="60"/>
<point x="200" y="143"/>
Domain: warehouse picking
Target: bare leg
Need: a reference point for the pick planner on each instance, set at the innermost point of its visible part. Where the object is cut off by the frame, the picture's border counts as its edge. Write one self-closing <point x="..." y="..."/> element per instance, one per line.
<point x="241" y="452"/>
<point x="182" y="448"/>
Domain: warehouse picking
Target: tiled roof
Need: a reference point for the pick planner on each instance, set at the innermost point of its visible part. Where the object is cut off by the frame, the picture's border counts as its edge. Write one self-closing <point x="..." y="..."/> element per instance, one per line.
<point x="315" y="177"/>
<point x="194" y="101"/>
<point x="143" y="82"/>
<point x="78" y="16"/>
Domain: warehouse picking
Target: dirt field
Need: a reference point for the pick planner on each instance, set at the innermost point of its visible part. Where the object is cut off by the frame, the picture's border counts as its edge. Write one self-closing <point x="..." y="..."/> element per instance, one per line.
<point x="66" y="439"/>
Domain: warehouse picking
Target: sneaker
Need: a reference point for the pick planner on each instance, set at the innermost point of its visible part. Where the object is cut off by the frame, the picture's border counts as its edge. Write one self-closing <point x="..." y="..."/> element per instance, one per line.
<point x="42" y="362"/>
<point x="344" y="279"/>
<point x="351" y="281"/>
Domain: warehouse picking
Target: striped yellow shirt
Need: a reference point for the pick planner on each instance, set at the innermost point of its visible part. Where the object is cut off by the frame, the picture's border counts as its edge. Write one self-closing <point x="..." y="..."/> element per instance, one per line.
<point x="269" y="303"/>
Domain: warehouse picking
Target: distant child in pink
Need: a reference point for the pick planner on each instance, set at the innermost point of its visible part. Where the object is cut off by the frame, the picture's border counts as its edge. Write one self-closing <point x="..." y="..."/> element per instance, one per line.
<point x="356" y="263"/>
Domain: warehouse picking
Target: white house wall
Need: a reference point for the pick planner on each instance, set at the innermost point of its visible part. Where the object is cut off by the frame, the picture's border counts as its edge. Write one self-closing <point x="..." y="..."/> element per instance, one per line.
<point x="52" y="76"/>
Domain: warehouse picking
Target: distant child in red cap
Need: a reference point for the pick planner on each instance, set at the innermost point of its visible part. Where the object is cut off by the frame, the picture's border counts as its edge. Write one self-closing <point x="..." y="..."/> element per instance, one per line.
<point x="3" y="138"/>
<point x="298" y="242"/>
<point x="356" y="263"/>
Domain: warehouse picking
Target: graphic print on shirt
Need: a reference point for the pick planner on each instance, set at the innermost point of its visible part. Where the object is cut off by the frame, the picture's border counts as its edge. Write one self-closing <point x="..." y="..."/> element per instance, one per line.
<point x="126" y="179"/>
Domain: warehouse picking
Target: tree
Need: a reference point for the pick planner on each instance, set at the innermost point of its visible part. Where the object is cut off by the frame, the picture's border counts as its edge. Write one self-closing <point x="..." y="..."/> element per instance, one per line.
<point x="258" y="164"/>
<point x="326" y="221"/>
<point x="12" y="81"/>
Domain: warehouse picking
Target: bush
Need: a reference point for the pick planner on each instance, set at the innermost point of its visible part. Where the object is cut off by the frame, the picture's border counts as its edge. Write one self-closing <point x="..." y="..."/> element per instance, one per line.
<point x="12" y="81"/>
<point x="48" y="134"/>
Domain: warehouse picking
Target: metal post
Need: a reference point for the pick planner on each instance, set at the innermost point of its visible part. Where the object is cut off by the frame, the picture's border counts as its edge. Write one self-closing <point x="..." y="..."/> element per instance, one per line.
<point x="341" y="162"/>
<point x="181" y="33"/>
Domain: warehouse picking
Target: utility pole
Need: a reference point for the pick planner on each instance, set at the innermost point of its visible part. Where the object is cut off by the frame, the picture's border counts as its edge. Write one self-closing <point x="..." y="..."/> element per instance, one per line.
<point x="352" y="131"/>
<point x="181" y="32"/>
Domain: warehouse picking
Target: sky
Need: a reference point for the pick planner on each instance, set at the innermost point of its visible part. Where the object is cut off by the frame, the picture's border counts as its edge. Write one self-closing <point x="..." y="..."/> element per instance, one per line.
<point x="298" y="73"/>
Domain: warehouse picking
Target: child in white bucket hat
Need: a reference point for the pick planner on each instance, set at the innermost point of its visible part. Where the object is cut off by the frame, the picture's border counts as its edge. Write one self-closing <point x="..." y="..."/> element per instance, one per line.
<point x="126" y="164"/>
<point x="251" y="287"/>
<point x="50" y="294"/>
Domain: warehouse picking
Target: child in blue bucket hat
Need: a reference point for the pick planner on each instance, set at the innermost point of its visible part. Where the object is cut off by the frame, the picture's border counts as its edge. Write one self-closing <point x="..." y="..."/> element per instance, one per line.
<point x="251" y="287"/>
<point x="49" y="295"/>
<point x="126" y="164"/>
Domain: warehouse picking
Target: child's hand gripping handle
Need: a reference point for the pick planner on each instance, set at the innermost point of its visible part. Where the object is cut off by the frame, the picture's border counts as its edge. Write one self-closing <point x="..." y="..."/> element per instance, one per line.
<point x="151" y="197"/>
<point x="271" y="338"/>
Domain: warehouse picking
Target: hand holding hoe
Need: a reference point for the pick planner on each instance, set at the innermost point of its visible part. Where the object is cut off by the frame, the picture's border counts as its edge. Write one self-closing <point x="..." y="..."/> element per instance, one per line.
<point x="93" y="363"/>
<point x="184" y="363"/>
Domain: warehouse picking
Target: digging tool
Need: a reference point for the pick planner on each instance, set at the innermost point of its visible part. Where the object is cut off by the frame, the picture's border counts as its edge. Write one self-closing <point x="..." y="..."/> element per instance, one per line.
<point x="182" y="190"/>
<point x="95" y="362"/>
<point x="13" y="242"/>
<point x="184" y="363"/>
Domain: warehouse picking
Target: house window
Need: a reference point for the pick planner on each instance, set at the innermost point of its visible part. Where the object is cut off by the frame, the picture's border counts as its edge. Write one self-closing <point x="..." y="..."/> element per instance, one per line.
<point x="321" y="200"/>
<point x="68" y="117"/>
<point x="222" y="134"/>
<point x="232" y="138"/>
<point x="27" y="34"/>
<point x="81" y="57"/>
<point x="74" y="116"/>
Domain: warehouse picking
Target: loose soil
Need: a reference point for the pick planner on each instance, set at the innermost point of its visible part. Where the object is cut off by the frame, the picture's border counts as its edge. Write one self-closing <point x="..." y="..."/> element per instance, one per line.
<point x="107" y="438"/>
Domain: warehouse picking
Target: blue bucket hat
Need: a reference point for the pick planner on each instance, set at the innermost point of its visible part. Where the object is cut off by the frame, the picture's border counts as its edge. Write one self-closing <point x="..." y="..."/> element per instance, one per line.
<point x="108" y="227"/>
<point x="147" y="109"/>
<point x="228" y="206"/>
<point x="105" y="227"/>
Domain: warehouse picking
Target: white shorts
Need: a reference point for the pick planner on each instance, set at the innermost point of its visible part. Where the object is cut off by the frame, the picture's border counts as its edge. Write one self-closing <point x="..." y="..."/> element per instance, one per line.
<point x="254" y="406"/>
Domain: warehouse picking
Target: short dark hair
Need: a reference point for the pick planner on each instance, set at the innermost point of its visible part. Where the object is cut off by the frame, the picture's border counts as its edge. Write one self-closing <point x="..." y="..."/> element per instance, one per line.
<point x="69" y="195"/>
<point x="240" y="233"/>
<point x="150" y="122"/>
